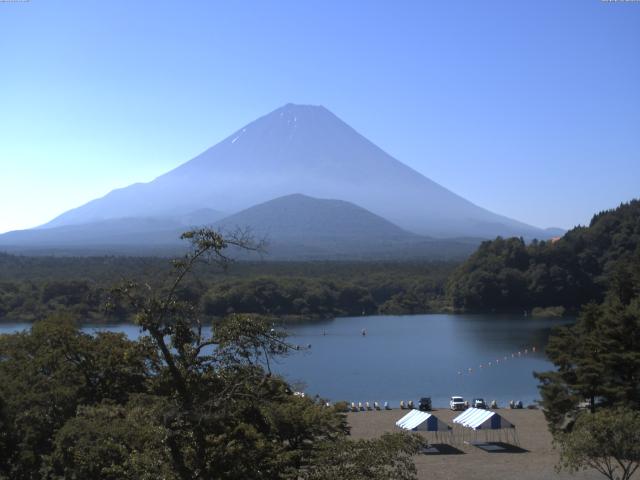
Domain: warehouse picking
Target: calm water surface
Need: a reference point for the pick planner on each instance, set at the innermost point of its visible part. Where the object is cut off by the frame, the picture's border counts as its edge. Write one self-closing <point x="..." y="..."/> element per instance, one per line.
<point x="407" y="357"/>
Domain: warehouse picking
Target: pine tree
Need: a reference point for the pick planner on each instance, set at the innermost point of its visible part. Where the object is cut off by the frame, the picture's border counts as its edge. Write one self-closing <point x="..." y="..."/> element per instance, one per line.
<point x="598" y="358"/>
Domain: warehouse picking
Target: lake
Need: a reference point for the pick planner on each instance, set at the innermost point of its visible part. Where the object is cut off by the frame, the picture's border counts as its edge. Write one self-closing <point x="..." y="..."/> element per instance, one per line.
<point x="410" y="356"/>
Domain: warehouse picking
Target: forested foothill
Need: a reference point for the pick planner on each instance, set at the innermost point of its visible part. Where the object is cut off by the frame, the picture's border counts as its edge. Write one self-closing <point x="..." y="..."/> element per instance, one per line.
<point x="565" y="273"/>
<point x="592" y="399"/>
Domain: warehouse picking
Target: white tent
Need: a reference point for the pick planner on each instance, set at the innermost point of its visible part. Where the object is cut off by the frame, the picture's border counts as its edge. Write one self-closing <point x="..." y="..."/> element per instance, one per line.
<point x="419" y="421"/>
<point x="478" y="419"/>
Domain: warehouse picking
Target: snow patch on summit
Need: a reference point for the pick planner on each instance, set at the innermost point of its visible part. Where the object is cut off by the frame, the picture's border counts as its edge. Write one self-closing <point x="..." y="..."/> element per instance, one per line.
<point x="235" y="139"/>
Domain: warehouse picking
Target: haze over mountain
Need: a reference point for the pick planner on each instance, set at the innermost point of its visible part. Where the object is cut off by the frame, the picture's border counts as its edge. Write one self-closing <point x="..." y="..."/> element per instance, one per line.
<point x="301" y="149"/>
<point x="301" y="227"/>
<point x="295" y="227"/>
<point x="114" y="235"/>
<point x="302" y="218"/>
<point x="378" y="202"/>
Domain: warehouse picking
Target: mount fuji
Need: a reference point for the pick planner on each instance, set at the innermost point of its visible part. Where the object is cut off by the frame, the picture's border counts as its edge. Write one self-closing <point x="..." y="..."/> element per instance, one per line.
<point x="296" y="149"/>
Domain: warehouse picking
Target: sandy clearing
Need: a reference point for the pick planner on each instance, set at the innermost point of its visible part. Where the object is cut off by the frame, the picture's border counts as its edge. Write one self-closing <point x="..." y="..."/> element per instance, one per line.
<point x="537" y="462"/>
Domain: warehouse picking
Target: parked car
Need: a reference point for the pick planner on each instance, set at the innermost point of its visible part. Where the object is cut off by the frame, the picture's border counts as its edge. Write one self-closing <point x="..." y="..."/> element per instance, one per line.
<point x="478" y="403"/>
<point x="425" y="404"/>
<point x="457" y="403"/>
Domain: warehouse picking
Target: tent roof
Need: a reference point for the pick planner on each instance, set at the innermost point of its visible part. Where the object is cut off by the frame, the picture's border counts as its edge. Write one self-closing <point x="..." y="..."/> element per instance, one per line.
<point x="480" y="419"/>
<point x="418" y="420"/>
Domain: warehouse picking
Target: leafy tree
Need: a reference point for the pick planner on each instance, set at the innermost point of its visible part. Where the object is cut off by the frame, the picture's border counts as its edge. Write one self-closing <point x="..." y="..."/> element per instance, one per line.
<point x="389" y="457"/>
<point x="113" y="442"/>
<point x="607" y="441"/>
<point x="597" y="359"/>
<point x="46" y="373"/>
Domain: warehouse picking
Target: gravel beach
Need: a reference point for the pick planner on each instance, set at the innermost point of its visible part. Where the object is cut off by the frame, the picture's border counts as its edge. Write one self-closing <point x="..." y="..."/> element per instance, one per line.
<point x="534" y="459"/>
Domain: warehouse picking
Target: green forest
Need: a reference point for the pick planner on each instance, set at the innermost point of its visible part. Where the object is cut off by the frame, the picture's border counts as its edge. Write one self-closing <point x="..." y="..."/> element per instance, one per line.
<point x="32" y="287"/>
<point x="591" y="399"/>
<point x="507" y="274"/>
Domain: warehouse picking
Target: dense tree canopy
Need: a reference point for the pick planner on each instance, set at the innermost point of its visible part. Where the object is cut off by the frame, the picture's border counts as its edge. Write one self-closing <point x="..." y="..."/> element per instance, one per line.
<point x="507" y="274"/>
<point x="32" y="287"/>
<point x="598" y="358"/>
<point x="48" y="372"/>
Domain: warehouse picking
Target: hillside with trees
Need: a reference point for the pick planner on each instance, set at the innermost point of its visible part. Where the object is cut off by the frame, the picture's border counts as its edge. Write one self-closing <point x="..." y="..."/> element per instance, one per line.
<point x="507" y="274"/>
<point x="592" y="398"/>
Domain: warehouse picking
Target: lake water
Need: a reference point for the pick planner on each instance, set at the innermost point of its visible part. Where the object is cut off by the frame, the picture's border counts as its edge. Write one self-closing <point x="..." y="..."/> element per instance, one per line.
<point x="407" y="357"/>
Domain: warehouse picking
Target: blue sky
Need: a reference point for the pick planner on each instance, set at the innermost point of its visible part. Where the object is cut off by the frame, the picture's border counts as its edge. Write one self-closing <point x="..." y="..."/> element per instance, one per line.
<point x="528" y="108"/>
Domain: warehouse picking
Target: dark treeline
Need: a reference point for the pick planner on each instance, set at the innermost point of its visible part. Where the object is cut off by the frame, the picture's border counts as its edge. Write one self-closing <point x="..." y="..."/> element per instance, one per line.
<point x="33" y="287"/>
<point x="507" y="274"/>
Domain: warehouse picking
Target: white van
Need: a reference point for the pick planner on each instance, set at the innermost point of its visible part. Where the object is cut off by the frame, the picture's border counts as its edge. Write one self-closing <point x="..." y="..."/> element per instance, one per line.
<point x="457" y="403"/>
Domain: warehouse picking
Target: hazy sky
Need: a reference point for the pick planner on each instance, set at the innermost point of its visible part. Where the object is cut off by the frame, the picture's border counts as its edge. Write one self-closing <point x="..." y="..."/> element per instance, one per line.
<point x="528" y="108"/>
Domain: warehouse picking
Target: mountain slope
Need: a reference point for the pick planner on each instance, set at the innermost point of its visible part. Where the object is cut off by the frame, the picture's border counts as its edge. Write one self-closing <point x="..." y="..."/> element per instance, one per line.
<point x="301" y="227"/>
<point x="302" y="218"/>
<point x="309" y="150"/>
<point x="112" y="235"/>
